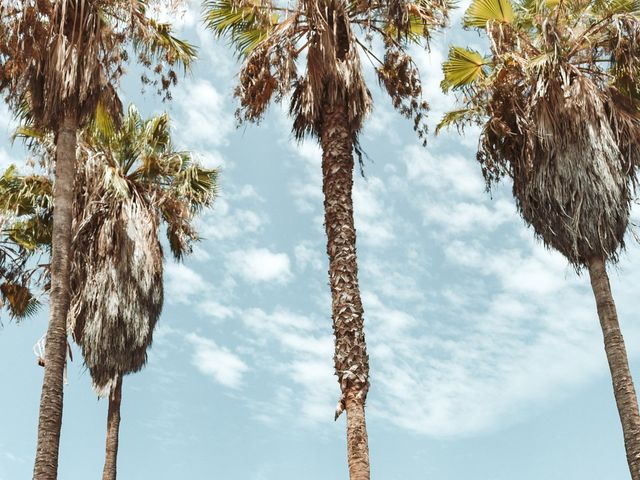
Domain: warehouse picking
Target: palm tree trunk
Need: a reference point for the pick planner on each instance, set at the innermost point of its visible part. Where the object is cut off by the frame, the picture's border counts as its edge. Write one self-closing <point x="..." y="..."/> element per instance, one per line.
<point x="623" y="389"/>
<point x="113" y="429"/>
<point x="351" y="359"/>
<point x="50" y="419"/>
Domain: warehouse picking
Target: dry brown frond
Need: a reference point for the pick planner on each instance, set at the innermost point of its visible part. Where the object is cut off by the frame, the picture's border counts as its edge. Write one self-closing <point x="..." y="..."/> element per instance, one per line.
<point x="565" y="128"/>
<point x="116" y="277"/>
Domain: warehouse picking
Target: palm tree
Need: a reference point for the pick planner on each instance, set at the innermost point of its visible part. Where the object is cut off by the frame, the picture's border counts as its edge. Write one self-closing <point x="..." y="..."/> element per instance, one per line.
<point x="130" y="181"/>
<point x="330" y="102"/>
<point x="557" y="99"/>
<point x="62" y="58"/>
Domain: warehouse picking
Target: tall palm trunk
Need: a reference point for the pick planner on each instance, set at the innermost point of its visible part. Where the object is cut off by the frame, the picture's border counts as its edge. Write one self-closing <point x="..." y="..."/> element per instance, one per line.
<point x="113" y="429"/>
<point x="50" y="419"/>
<point x="351" y="359"/>
<point x="623" y="389"/>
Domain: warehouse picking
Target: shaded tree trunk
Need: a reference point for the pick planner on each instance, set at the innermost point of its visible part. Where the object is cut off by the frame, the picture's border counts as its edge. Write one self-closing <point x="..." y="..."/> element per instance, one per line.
<point x="351" y="359"/>
<point x="113" y="431"/>
<point x="623" y="388"/>
<point x="50" y="418"/>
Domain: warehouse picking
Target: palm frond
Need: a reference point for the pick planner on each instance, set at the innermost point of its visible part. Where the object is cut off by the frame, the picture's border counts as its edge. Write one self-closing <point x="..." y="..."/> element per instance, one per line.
<point x="155" y="40"/>
<point x="482" y="11"/>
<point x="19" y="300"/>
<point x="607" y="8"/>
<point x="459" y="118"/>
<point x="246" y="24"/>
<point x="462" y="67"/>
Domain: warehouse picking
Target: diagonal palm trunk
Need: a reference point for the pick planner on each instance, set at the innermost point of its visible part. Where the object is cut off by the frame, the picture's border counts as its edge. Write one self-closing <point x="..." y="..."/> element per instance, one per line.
<point x="113" y="429"/>
<point x="623" y="388"/>
<point x="351" y="359"/>
<point x="50" y="419"/>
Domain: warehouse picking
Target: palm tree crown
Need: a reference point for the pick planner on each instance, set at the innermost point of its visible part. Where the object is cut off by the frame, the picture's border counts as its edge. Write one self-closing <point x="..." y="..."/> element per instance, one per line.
<point x="558" y="102"/>
<point x="58" y="57"/>
<point x="273" y="39"/>
<point x="132" y="179"/>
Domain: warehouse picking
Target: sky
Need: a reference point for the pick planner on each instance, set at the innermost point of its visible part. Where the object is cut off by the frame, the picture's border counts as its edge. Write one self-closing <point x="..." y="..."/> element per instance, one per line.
<point x="486" y="355"/>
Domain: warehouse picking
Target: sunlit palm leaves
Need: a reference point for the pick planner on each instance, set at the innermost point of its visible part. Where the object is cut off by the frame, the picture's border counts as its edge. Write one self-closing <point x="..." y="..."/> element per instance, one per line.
<point x="247" y="23"/>
<point x="463" y="67"/>
<point x="482" y="11"/>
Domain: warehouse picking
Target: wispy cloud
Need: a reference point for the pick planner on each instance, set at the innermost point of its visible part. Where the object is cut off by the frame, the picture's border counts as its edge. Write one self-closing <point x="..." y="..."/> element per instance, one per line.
<point x="219" y="363"/>
<point x="257" y="265"/>
<point x="205" y="118"/>
<point x="182" y="283"/>
<point x="226" y="221"/>
<point x="308" y="256"/>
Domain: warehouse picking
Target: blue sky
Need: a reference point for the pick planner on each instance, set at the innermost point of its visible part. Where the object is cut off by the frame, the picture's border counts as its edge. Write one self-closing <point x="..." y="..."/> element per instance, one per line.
<point x="486" y="355"/>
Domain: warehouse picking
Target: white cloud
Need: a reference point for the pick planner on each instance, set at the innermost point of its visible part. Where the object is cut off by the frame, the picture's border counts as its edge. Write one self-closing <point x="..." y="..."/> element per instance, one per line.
<point x="279" y="321"/>
<point x="450" y="173"/>
<point x="181" y="15"/>
<point x="319" y="388"/>
<point x="430" y="66"/>
<point x="467" y="216"/>
<point x="303" y="364"/>
<point x="183" y="283"/>
<point x="225" y="222"/>
<point x="452" y="192"/>
<point x="516" y="330"/>
<point x="205" y="119"/>
<point x="216" y="310"/>
<point x="373" y="220"/>
<point x="5" y="160"/>
<point x="217" y="362"/>
<point x="307" y="191"/>
<point x="307" y="256"/>
<point x="392" y="321"/>
<point x="260" y="265"/>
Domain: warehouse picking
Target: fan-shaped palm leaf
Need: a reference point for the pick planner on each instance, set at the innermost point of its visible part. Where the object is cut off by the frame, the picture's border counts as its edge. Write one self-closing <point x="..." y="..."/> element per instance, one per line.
<point x="480" y="12"/>
<point x="463" y="67"/>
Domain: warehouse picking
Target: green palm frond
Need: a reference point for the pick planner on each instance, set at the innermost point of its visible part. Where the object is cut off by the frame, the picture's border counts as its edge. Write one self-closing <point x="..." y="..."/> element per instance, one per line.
<point x="29" y="134"/>
<point x="176" y="50"/>
<point x="157" y="41"/>
<point x="605" y="8"/>
<point x="197" y="185"/>
<point x="114" y="182"/>
<point x="245" y="23"/>
<point x="482" y="11"/>
<point x="459" y="118"/>
<point x="24" y="195"/>
<point x="462" y="67"/>
<point x="157" y="133"/>
<point x="103" y="121"/>
<point x="32" y="233"/>
<point x="415" y="31"/>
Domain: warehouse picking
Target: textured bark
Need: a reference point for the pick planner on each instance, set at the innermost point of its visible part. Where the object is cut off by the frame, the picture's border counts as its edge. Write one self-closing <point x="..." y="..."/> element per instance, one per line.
<point x="623" y="388"/>
<point x="351" y="359"/>
<point x="50" y="419"/>
<point x="357" y="441"/>
<point x="113" y="429"/>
